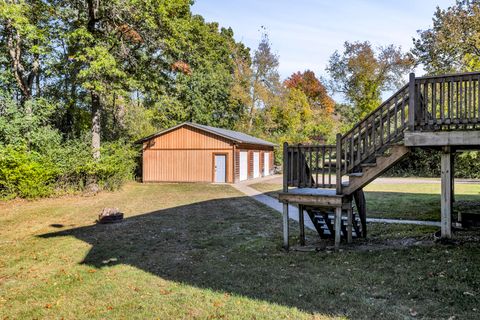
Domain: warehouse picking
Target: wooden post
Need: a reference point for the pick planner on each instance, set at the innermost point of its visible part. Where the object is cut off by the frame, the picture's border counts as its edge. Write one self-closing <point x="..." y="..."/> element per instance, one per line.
<point x="411" y="102"/>
<point x="301" y="222"/>
<point x="338" y="162"/>
<point x="452" y="169"/>
<point x="446" y="197"/>
<point x="234" y="178"/>
<point x="349" y="223"/>
<point x="338" y="225"/>
<point x="285" y="167"/>
<point x="285" y="227"/>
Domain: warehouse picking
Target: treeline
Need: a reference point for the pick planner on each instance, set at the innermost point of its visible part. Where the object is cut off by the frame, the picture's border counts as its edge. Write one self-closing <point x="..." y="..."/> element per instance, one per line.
<point x="81" y="80"/>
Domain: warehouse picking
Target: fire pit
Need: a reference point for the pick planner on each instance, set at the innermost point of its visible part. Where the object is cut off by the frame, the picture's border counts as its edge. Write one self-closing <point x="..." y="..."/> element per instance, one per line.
<point x="110" y="215"/>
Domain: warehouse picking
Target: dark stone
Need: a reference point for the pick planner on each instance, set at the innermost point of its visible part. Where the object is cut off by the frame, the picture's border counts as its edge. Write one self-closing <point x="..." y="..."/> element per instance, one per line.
<point x="110" y="215"/>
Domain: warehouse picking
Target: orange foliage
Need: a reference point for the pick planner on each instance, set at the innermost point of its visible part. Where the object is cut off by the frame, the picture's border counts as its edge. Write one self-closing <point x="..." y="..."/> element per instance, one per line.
<point x="130" y="34"/>
<point x="313" y="89"/>
<point x="182" y="66"/>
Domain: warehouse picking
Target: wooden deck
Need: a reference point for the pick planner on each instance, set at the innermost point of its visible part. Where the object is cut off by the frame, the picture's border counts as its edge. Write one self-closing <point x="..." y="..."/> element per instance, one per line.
<point x="439" y="112"/>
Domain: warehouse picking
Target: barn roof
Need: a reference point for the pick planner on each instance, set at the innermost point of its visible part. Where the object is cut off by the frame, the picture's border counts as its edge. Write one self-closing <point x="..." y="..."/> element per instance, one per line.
<point x="235" y="136"/>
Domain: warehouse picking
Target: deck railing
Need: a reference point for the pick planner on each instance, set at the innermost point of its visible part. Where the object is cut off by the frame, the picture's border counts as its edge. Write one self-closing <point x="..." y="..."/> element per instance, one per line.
<point x="446" y="102"/>
<point x="381" y="127"/>
<point x="310" y="166"/>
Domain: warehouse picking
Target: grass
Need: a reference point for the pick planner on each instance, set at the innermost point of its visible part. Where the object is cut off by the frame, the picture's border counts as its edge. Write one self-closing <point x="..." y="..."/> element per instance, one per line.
<point x="196" y="251"/>
<point x="416" y="201"/>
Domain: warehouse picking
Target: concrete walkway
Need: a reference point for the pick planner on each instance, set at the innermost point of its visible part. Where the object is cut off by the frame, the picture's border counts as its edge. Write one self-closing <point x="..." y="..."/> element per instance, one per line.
<point x="293" y="211"/>
<point x="278" y="179"/>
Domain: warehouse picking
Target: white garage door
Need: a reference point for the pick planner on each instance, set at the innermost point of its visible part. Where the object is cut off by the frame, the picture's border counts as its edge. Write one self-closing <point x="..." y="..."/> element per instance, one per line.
<point x="243" y="165"/>
<point x="256" y="164"/>
<point x="266" y="163"/>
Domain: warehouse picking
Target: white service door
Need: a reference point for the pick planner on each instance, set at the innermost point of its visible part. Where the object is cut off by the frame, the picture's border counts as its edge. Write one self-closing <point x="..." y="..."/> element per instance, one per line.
<point x="256" y="164"/>
<point x="220" y="168"/>
<point x="266" y="163"/>
<point x="243" y="165"/>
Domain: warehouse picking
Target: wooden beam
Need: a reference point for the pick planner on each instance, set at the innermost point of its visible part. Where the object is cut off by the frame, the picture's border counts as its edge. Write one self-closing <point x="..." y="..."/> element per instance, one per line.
<point x="285" y="167"/>
<point x="286" y="244"/>
<point x="313" y="200"/>
<point x="338" y="224"/>
<point x="370" y="173"/>
<point x="443" y="138"/>
<point x="301" y="222"/>
<point x="446" y="197"/>
<point x="349" y="224"/>
<point x="411" y="102"/>
<point x="338" y="166"/>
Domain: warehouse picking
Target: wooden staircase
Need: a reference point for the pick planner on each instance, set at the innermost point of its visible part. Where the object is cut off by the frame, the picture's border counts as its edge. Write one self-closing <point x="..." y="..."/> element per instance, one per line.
<point x="425" y="106"/>
<point x="324" y="222"/>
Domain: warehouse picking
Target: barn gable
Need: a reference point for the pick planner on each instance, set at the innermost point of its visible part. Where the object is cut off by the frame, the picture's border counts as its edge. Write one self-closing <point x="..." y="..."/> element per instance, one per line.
<point x="186" y="137"/>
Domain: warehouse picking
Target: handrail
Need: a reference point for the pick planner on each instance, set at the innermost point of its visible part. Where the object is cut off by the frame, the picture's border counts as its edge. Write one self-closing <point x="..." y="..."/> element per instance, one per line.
<point x="429" y="103"/>
<point x="448" y="75"/>
<point x="382" y="126"/>
<point x="376" y="110"/>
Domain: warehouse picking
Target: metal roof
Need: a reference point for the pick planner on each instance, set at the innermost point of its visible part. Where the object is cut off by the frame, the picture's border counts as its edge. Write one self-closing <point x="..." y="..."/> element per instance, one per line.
<point x="236" y="136"/>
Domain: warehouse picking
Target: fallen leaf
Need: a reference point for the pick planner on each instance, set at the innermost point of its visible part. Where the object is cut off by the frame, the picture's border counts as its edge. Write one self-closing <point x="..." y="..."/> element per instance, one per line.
<point x="165" y="292"/>
<point x="413" y="313"/>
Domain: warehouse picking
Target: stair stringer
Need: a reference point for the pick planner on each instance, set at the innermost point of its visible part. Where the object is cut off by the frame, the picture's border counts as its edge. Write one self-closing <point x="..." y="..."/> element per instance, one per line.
<point x="384" y="162"/>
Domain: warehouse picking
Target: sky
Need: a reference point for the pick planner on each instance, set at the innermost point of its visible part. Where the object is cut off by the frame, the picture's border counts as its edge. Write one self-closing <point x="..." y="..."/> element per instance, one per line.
<point x="305" y="33"/>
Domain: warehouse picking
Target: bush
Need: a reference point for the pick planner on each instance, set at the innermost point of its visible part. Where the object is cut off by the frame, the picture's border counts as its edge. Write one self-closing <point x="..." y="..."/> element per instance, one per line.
<point x="426" y="163"/>
<point x="35" y="161"/>
<point x="65" y="168"/>
<point x="25" y="174"/>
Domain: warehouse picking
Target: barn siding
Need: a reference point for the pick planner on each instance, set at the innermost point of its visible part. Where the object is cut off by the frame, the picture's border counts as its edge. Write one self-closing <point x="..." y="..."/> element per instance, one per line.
<point x="272" y="161"/>
<point x="237" y="166"/>
<point x="190" y="138"/>
<point x="185" y="155"/>
<point x="261" y="157"/>
<point x="250" y="164"/>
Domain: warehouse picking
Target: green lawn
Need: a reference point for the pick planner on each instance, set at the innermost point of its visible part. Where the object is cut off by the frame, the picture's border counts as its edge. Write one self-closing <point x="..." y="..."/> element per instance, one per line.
<point x="198" y="251"/>
<point x="418" y="201"/>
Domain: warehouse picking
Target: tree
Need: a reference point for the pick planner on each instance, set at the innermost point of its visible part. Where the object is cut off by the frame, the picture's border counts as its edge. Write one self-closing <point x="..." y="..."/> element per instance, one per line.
<point x="25" y="33"/>
<point x="453" y="43"/>
<point x="361" y="74"/>
<point x="313" y="88"/>
<point x="265" y="80"/>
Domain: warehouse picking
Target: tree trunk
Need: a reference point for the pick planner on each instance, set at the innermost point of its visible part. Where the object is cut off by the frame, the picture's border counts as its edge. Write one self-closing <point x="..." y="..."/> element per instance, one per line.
<point x="96" y="113"/>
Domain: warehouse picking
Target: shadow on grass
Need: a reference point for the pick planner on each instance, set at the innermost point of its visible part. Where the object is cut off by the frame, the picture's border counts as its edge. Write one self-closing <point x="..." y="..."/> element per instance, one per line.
<point x="233" y="245"/>
<point x="415" y="206"/>
<point x="408" y="206"/>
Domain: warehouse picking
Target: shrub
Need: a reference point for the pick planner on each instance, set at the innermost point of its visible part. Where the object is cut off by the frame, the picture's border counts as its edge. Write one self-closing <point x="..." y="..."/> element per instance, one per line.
<point x="65" y="168"/>
<point x="426" y="163"/>
<point x="25" y="174"/>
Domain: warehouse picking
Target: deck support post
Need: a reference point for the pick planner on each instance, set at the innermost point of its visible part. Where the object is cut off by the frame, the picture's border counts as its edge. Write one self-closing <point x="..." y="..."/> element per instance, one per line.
<point x="446" y="197"/>
<point x="301" y="222"/>
<point x="285" y="226"/>
<point x="338" y="227"/>
<point x="349" y="223"/>
<point x="411" y="102"/>
<point x="338" y="164"/>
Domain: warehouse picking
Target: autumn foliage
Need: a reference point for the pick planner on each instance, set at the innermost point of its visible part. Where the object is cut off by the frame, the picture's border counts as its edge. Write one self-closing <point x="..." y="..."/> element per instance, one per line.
<point x="182" y="67"/>
<point x="313" y="88"/>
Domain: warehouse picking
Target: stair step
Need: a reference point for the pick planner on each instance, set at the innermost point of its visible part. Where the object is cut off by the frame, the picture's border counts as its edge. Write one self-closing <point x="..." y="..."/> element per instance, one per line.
<point x="368" y="165"/>
<point x="355" y="174"/>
